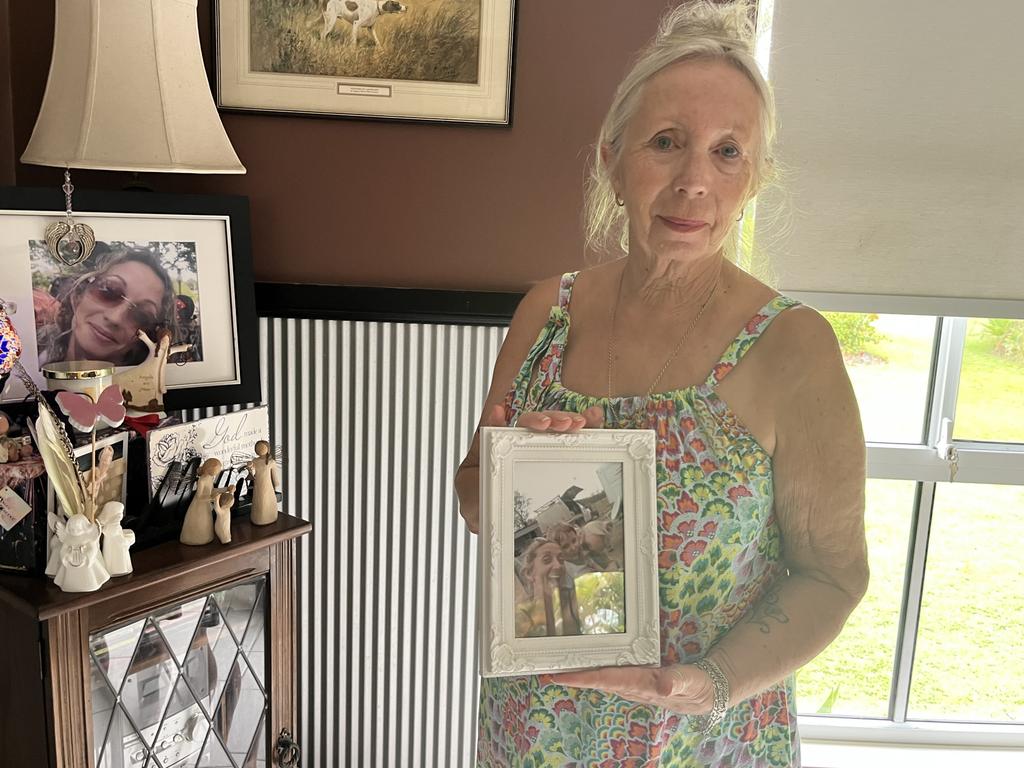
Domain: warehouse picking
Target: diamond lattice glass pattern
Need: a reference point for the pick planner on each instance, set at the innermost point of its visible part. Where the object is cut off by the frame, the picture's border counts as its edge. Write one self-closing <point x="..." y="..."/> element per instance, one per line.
<point x="220" y="649"/>
<point x="254" y="643"/>
<point x="102" y="707"/>
<point x="183" y="687"/>
<point x="236" y="604"/>
<point x="178" y="625"/>
<point x="214" y="755"/>
<point x="255" y="758"/>
<point x="149" y="683"/>
<point x="113" y="651"/>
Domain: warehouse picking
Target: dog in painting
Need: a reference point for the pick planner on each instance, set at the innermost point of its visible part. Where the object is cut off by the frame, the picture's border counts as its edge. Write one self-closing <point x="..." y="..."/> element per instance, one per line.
<point x="361" y="14"/>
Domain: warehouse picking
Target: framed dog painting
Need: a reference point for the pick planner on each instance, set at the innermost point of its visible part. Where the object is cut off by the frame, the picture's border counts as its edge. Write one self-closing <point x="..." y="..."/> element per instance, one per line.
<point x="429" y="60"/>
<point x="178" y="265"/>
<point x="568" y="550"/>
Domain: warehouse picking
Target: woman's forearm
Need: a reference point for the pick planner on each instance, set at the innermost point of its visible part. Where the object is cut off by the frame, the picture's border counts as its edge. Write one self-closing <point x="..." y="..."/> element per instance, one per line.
<point x="793" y="622"/>
<point x="467" y="488"/>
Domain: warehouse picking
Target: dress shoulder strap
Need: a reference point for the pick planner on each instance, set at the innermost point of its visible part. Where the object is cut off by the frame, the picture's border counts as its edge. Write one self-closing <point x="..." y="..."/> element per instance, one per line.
<point x="746" y="338"/>
<point x="541" y="365"/>
<point x="565" y="290"/>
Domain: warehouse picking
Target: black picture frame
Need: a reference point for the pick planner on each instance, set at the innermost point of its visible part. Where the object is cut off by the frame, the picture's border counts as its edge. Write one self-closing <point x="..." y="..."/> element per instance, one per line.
<point x="231" y="209"/>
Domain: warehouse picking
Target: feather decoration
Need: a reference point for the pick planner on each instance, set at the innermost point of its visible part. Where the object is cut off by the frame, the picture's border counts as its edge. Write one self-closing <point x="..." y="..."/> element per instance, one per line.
<point x="58" y="454"/>
<point x="64" y="475"/>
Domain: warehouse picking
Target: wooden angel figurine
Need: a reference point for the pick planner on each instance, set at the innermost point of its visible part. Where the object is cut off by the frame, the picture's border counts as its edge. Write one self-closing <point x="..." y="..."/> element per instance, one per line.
<point x="81" y="566"/>
<point x="266" y="483"/>
<point x="198" y="527"/>
<point x="116" y="540"/>
<point x="222" y="503"/>
<point x="144" y="385"/>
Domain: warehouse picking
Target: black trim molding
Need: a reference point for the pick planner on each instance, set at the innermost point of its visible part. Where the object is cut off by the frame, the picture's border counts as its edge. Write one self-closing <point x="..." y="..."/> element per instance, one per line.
<point x="398" y="305"/>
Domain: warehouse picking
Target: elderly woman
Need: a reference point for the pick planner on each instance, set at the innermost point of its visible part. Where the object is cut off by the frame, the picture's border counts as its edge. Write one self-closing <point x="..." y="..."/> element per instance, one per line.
<point x="760" y="449"/>
<point x="101" y="313"/>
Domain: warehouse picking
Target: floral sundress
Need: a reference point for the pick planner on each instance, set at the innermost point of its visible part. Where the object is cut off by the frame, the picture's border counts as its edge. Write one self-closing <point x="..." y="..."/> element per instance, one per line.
<point x="719" y="550"/>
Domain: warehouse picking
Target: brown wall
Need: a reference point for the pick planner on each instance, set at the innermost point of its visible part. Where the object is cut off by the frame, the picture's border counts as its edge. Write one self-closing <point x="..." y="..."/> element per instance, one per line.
<point x="399" y="204"/>
<point x="6" y="110"/>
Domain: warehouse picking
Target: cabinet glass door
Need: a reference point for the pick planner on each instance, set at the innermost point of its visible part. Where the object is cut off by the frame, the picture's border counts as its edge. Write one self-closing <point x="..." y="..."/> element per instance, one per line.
<point x="185" y="686"/>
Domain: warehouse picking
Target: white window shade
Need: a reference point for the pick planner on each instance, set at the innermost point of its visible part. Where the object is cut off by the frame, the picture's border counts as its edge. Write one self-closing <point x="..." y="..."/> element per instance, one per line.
<point x="901" y="132"/>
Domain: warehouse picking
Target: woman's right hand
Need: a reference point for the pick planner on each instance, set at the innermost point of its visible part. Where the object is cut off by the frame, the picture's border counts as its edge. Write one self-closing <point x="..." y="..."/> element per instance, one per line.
<point x="562" y="421"/>
<point x="548" y="421"/>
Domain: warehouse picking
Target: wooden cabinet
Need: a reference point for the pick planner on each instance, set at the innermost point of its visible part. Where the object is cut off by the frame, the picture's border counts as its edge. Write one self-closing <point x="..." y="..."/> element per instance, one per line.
<point x="188" y="661"/>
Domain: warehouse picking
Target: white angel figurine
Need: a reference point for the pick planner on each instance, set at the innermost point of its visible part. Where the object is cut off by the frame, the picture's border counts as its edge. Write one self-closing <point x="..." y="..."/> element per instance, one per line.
<point x="222" y="503"/>
<point x="266" y="482"/>
<point x="53" y="559"/>
<point x="116" y="540"/>
<point x="198" y="526"/>
<point x="81" y="566"/>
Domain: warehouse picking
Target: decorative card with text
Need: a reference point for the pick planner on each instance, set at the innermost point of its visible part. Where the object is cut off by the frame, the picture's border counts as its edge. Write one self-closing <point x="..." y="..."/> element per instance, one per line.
<point x="230" y="438"/>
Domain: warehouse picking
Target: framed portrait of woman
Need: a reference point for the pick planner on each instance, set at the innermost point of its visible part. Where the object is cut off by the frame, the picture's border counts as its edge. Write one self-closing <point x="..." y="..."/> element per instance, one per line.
<point x="172" y="267"/>
<point x="568" y="550"/>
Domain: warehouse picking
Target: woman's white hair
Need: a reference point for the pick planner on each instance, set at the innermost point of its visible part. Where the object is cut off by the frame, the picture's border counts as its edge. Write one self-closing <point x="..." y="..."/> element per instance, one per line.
<point x="695" y="30"/>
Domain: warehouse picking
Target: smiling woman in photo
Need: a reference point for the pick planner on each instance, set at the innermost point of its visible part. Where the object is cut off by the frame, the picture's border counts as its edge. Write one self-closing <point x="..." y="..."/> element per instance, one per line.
<point x="544" y="606"/>
<point x="102" y="312"/>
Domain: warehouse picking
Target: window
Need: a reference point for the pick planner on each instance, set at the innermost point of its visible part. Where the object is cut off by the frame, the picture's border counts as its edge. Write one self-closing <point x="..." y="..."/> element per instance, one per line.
<point x="933" y="652"/>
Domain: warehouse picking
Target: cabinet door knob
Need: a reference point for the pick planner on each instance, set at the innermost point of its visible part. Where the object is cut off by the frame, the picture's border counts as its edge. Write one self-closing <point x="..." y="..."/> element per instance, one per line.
<point x="287" y="753"/>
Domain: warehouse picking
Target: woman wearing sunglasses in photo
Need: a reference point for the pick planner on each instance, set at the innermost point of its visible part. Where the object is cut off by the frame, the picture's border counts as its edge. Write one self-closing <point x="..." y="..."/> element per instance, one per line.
<point x="102" y="312"/>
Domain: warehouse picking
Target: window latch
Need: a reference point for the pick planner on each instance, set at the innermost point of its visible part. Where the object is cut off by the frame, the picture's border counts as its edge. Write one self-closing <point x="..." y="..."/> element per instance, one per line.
<point x="946" y="449"/>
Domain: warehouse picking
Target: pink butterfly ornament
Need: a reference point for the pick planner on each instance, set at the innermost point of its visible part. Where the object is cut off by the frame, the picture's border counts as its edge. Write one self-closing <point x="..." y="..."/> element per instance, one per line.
<point x="84" y="414"/>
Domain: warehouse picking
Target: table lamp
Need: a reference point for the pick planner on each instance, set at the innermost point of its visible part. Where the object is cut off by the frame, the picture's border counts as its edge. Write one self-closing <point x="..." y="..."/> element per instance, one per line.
<point x="127" y="91"/>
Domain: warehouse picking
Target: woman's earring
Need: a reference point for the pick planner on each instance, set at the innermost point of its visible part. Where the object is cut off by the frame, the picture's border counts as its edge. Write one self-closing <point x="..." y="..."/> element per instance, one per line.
<point x="67" y="237"/>
<point x="619" y="201"/>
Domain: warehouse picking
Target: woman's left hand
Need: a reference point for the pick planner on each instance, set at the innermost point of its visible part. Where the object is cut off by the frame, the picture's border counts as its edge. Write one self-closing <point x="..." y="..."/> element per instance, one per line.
<point x="681" y="688"/>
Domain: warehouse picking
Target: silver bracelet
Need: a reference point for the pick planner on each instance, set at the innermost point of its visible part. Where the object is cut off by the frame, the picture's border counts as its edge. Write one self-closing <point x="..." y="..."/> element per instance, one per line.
<point x="708" y="722"/>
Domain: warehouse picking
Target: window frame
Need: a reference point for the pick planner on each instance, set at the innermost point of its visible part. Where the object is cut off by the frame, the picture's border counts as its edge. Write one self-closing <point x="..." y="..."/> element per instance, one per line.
<point x="926" y="464"/>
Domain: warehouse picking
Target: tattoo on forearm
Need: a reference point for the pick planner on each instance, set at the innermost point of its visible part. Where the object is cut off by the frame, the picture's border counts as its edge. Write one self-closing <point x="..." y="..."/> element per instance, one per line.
<point x="768" y="608"/>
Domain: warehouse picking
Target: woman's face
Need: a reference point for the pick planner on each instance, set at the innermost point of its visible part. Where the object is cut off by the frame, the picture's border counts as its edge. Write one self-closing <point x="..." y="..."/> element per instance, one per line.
<point x="112" y="309"/>
<point x="569" y="542"/>
<point x="547" y="565"/>
<point x="686" y="159"/>
<point x="593" y="543"/>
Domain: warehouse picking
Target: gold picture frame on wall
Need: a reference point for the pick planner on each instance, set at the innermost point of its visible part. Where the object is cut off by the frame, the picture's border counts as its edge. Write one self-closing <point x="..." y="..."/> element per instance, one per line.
<point x="425" y="60"/>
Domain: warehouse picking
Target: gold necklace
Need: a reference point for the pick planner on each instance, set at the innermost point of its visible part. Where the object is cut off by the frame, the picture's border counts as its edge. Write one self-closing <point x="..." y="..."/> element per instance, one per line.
<point x="679" y="344"/>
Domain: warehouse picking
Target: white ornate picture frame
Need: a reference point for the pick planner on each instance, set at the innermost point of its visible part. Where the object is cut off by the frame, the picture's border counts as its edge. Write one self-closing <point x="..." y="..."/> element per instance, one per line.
<point x="518" y="463"/>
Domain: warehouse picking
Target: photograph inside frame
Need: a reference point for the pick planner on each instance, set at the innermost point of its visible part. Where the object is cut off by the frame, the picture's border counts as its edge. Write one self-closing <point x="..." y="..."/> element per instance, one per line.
<point x="97" y="309"/>
<point x="569" y="554"/>
<point x="429" y="40"/>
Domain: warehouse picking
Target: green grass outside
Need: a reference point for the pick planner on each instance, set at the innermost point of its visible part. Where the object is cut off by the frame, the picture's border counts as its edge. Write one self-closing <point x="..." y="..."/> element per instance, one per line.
<point x="967" y="663"/>
<point x="991" y="402"/>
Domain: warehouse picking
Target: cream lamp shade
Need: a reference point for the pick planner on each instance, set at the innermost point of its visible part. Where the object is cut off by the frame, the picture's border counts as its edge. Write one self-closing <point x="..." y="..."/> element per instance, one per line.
<point x="128" y="91"/>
